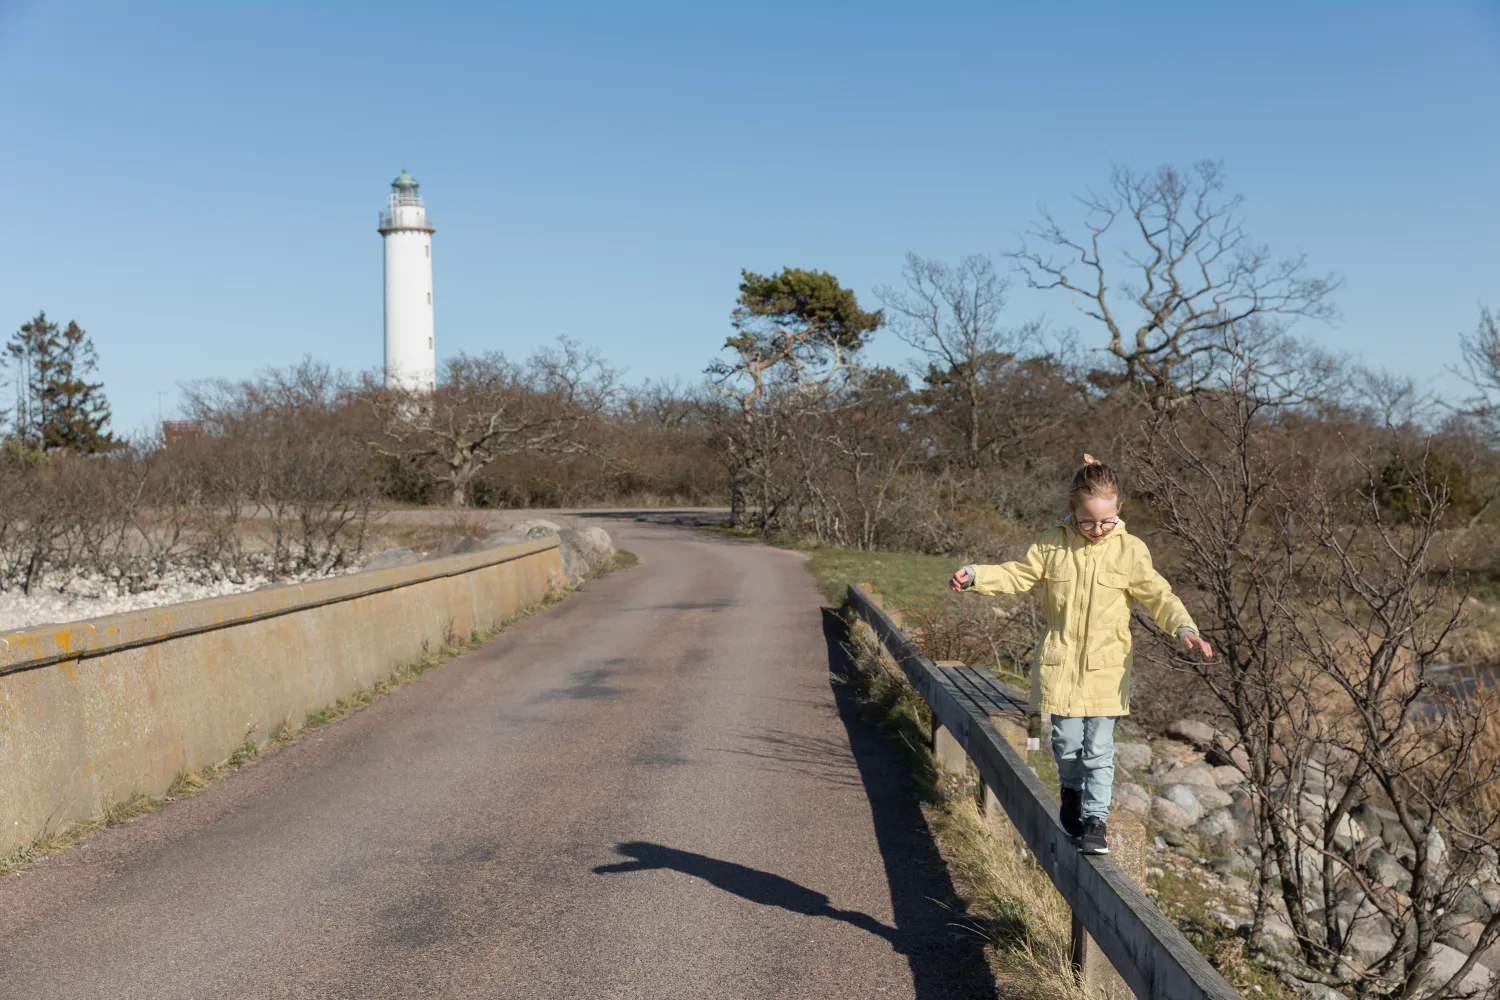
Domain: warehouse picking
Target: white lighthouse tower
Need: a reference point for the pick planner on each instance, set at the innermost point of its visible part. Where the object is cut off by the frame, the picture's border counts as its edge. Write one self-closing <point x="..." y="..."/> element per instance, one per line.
<point x="410" y="359"/>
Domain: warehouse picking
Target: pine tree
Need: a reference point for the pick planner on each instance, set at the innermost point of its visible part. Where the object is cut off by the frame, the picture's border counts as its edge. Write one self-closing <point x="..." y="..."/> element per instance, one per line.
<point x="57" y="408"/>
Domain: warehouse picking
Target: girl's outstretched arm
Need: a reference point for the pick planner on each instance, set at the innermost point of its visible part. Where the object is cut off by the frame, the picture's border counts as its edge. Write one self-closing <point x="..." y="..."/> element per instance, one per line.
<point x="1006" y="578"/>
<point x="1152" y="589"/>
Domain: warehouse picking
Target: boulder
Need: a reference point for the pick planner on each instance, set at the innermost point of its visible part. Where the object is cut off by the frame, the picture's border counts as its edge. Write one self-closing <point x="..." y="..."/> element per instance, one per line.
<point x="585" y="552"/>
<point x="1385" y="869"/>
<point x="1227" y="776"/>
<point x="536" y="527"/>
<point x="1346" y="833"/>
<point x="1469" y="902"/>
<point x="1223" y="755"/>
<point x="1169" y="814"/>
<point x="1200" y="775"/>
<point x="1384" y="824"/>
<point x="455" y="545"/>
<point x="1437" y="851"/>
<point x="1172" y="837"/>
<point x="1276" y="934"/>
<point x="1184" y="798"/>
<point x="391" y="558"/>
<point x="1211" y="798"/>
<point x="1361" y="923"/>
<point x="508" y="537"/>
<point x="1461" y="933"/>
<point x="1132" y="798"/>
<point x="1314" y="991"/>
<point x="1199" y="734"/>
<point x="1243" y="806"/>
<point x="1311" y="862"/>
<point x="597" y="548"/>
<point x="1133" y="756"/>
<point x="1217" y="824"/>
<point x="575" y="566"/>
<point x="1446" y="961"/>
<point x="1369" y="942"/>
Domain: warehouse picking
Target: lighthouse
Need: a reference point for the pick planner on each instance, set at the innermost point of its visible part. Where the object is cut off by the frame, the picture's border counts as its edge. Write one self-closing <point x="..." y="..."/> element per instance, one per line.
<point x="410" y="358"/>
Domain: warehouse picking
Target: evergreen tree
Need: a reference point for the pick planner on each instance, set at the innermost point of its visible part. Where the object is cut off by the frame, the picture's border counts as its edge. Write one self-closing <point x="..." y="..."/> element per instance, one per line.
<point x="57" y="407"/>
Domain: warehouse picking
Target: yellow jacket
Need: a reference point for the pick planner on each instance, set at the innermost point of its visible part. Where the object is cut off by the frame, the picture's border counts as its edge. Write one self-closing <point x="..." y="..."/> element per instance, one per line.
<point x="1084" y="667"/>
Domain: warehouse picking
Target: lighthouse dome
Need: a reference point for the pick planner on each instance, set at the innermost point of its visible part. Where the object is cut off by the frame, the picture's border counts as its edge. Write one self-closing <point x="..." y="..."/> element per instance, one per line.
<point x="406" y="182"/>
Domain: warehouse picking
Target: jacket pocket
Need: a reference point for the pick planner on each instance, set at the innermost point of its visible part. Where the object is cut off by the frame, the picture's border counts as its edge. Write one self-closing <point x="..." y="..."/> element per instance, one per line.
<point x="1059" y="586"/>
<point x="1112" y="579"/>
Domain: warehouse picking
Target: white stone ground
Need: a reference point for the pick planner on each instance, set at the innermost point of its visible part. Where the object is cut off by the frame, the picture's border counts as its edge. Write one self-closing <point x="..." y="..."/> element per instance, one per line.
<point x="84" y="598"/>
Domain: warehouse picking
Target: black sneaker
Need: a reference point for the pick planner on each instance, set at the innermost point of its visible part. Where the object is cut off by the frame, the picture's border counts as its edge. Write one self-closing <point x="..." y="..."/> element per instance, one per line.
<point x="1071" y="813"/>
<point x="1094" y="840"/>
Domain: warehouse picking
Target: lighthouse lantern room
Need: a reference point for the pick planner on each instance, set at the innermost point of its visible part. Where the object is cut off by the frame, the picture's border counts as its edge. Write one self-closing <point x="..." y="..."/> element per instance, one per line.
<point x="410" y="358"/>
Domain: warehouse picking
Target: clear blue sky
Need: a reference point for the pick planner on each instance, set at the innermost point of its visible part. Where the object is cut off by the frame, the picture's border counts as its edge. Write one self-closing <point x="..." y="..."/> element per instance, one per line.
<point x="198" y="184"/>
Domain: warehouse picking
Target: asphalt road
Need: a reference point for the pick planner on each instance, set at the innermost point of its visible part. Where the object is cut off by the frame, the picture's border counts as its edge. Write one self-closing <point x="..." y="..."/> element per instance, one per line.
<point x="651" y="790"/>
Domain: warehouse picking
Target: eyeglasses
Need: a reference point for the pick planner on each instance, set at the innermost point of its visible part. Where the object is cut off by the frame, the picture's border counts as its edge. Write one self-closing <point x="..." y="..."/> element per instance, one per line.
<point x="1108" y="524"/>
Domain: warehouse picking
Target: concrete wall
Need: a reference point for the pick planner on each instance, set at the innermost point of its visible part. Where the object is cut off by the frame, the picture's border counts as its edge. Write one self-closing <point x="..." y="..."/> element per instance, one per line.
<point x="98" y="711"/>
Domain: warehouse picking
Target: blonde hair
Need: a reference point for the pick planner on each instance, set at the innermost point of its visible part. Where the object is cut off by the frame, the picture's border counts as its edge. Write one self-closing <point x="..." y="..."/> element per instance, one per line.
<point x="1095" y="479"/>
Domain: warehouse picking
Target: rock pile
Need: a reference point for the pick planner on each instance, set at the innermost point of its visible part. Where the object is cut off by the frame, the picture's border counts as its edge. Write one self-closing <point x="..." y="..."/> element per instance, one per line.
<point x="1192" y="791"/>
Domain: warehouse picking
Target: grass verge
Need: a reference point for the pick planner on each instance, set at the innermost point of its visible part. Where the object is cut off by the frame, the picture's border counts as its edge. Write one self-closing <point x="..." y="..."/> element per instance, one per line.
<point x="624" y="559"/>
<point x="282" y="734"/>
<point x="907" y="580"/>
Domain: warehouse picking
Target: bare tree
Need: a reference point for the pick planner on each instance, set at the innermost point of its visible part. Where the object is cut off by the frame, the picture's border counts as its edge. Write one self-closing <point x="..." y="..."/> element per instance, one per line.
<point x="1184" y="269"/>
<point x="952" y="315"/>
<point x="847" y="455"/>
<point x="487" y="407"/>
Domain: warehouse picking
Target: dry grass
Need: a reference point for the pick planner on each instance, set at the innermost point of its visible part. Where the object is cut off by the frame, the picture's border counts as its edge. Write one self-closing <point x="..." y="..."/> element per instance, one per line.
<point x="1488" y="746"/>
<point x="624" y="559"/>
<point x="284" y="733"/>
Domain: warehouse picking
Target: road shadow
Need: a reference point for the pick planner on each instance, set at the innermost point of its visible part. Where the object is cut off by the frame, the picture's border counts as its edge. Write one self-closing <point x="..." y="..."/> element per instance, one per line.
<point x="945" y="952"/>
<point x="745" y="882"/>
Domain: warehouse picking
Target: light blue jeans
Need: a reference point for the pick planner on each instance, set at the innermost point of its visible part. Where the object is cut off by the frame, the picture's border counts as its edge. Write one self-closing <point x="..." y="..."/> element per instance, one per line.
<point x="1084" y="747"/>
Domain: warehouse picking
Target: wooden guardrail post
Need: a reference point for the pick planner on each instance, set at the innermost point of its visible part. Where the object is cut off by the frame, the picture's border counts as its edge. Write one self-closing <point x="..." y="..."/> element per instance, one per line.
<point x="1033" y="730"/>
<point x="950" y="754"/>
<point x="1127" y="849"/>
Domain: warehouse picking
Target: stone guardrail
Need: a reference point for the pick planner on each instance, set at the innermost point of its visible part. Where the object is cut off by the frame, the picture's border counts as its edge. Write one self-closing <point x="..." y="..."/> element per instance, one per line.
<point x="96" y="712"/>
<point x="1147" y="951"/>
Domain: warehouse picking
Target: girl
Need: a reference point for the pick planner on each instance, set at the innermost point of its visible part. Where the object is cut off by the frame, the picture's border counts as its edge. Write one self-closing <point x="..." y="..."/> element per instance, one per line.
<point x="1091" y="568"/>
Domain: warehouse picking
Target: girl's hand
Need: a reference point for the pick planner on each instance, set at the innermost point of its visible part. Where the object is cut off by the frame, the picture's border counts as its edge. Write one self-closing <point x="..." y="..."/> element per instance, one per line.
<point x="960" y="580"/>
<point x="1192" y="641"/>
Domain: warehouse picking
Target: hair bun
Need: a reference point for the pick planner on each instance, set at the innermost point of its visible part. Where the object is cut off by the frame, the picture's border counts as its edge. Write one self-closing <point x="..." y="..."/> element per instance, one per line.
<point x="1090" y="459"/>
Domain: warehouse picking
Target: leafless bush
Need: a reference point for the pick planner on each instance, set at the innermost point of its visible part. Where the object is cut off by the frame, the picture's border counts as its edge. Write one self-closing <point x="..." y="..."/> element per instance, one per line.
<point x="488" y="407"/>
<point x="285" y="448"/>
